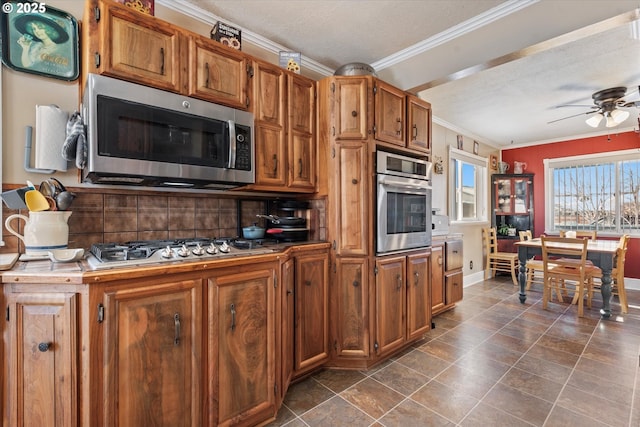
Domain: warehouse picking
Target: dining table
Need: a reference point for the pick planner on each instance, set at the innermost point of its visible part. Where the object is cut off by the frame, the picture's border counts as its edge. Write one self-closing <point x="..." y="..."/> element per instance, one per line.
<point x="601" y="252"/>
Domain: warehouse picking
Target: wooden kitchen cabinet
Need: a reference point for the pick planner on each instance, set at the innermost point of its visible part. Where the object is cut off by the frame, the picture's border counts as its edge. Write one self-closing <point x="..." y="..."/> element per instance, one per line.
<point x="153" y="353"/>
<point x="446" y="275"/>
<point x="217" y="73"/>
<point x="403" y="310"/>
<point x="284" y="111"/>
<point x="390" y="114"/>
<point x="438" y="289"/>
<point x="351" y="106"/>
<point x="350" y="192"/>
<point x="241" y="345"/>
<point x="41" y="371"/>
<point x="349" y="308"/>
<point x="285" y="314"/>
<point x="311" y="308"/>
<point x="418" y="124"/>
<point x="122" y="43"/>
<point x="390" y="303"/>
<point x="418" y="295"/>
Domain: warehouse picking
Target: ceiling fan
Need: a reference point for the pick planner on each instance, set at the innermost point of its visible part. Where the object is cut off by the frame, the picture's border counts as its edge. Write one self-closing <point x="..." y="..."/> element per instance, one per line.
<point x="607" y="105"/>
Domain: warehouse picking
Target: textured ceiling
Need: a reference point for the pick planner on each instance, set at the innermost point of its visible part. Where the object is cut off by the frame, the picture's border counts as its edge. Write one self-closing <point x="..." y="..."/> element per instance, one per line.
<point x="494" y="70"/>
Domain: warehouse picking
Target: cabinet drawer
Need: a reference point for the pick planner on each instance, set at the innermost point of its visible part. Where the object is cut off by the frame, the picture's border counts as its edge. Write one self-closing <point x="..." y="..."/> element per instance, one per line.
<point x="453" y="256"/>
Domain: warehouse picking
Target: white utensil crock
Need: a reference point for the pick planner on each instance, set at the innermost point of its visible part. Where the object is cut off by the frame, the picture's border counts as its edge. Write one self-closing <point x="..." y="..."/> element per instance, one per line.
<point x="43" y="231"/>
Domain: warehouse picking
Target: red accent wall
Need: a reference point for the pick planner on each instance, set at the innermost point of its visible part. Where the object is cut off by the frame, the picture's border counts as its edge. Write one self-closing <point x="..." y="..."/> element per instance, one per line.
<point x="533" y="156"/>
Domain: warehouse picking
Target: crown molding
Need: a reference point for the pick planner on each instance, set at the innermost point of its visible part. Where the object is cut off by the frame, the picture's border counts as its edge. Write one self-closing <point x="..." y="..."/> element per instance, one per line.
<point x="454" y="32"/>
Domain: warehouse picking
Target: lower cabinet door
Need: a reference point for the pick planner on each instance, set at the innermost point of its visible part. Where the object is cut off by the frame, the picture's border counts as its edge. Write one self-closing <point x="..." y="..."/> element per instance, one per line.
<point x="242" y="347"/>
<point x="418" y="296"/>
<point x="152" y="355"/>
<point x="40" y="349"/>
<point x="391" y="300"/>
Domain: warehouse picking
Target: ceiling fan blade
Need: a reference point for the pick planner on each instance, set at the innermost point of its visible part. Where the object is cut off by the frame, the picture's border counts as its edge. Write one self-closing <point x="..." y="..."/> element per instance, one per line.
<point x="631" y="104"/>
<point x="575" y="115"/>
<point x="575" y="105"/>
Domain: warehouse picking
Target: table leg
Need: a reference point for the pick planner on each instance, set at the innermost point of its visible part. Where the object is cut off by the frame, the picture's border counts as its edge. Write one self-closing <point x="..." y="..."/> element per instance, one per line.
<point x="522" y="272"/>
<point x="605" y="288"/>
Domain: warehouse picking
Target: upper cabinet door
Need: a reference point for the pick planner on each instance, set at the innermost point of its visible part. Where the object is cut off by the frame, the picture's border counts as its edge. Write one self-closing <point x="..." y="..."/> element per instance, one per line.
<point x="390" y="118"/>
<point x="301" y="133"/>
<point x="139" y="48"/>
<point x="419" y="124"/>
<point x="217" y="73"/>
<point x="351" y="108"/>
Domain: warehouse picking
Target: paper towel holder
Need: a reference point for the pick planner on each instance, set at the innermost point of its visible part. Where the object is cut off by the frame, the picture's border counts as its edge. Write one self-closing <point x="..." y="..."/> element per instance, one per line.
<point x="27" y="154"/>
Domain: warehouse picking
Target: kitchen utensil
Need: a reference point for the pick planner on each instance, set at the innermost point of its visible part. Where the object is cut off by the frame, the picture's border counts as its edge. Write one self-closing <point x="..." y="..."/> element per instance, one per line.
<point x="43" y="231"/>
<point x="291" y="234"/>
<point x="35" y="201"/>
<point x="287" y="220"/>
<point x="64" y="200"/>
<point x="14" y="199"/>
<point x="253" y="232"/>
<point x="53" y="206"/>
<point x="47" y="188"/>
<point x="65" y="255"/>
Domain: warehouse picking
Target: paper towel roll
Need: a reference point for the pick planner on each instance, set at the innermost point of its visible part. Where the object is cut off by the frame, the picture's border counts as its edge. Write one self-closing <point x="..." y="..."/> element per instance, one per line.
<point x="51" y="131"/>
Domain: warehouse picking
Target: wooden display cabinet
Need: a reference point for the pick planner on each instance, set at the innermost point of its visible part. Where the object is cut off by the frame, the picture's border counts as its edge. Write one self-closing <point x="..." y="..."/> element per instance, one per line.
<point x="512" y="204"/>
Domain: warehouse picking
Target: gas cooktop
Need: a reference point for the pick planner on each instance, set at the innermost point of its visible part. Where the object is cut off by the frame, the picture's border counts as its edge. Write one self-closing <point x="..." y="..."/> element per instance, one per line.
<point x="142" y="252"/>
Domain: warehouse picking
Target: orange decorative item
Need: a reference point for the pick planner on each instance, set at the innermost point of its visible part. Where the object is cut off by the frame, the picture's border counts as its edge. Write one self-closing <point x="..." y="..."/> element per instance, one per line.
<point x="144" y="6"/>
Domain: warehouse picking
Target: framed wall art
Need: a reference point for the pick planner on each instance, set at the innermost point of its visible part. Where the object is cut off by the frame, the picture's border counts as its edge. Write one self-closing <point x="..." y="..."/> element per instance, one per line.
<point x="460" y="142"/>
<point x="39" y="39"/>
<point x="476" y="147"/>
<point x="494" y="162"/>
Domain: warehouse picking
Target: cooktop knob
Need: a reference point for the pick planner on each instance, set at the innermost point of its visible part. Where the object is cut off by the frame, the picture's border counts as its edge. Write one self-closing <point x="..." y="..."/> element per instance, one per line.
<point x="183" y="251"/>
<point x="212" y="249"/>
<point x="224" y="247"/>
<point x="167" y="252"/>
<point x="198" y="250"/>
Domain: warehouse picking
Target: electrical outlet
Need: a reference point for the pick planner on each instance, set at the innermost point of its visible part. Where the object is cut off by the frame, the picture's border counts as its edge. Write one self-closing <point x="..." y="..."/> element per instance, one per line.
<point x="470" y="265"/>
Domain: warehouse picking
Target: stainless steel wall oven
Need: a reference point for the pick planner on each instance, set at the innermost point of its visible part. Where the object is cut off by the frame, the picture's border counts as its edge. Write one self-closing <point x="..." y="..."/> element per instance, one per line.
<point x="403" y="214"/>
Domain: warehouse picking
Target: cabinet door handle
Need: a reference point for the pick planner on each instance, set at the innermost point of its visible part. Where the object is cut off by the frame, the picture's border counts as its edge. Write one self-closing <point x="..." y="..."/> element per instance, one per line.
<point x="162" y="61"/>
<point x="176" y="323"/>
<point x="307" y="282"/>
<point x="275" y="164"/>
<point x="399" y="280"/>
<point x="44" y="346"/>
<point x="300" y="165"/>
<point x="415" y="132"/>
<point x="206" y="78"/>
<point x="399" y="123"/>
<point x="233" y="316"/>
<point x="354" y="113"/>
<point x="417" y="277"/>
<point x="440" y="260"/>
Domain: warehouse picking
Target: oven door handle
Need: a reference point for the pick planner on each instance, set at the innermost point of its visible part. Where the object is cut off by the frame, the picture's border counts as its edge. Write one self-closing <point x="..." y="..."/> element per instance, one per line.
<point x="232" y="145"/>
<point x="411" y="184"/>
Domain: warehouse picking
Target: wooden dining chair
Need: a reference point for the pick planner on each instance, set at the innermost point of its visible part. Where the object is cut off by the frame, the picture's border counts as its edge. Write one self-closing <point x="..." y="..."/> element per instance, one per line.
<point x="534" y="267"/>
<point x="564" y="263"/>
<point x="588" y="234"/>
<point x="617" y="274"/>
<point x="498" y="261"/>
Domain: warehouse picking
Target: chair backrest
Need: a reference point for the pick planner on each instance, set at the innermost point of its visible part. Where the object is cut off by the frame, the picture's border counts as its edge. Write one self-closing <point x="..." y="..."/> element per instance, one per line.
<point x="490" y="240"/>
<point x="593" y="234"/>
<point x="565" y="255"/>
<point x="525" y="235"/>
<point x="621" y="252"/>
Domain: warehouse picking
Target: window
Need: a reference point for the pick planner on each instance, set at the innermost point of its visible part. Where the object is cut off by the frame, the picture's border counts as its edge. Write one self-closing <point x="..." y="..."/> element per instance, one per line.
<point x="468" y="183"/>
<point x="594" y="192"/>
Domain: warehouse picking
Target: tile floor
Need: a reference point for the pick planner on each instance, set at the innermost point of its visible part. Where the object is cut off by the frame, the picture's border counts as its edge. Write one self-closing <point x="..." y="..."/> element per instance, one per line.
<point x="491" y="361"/>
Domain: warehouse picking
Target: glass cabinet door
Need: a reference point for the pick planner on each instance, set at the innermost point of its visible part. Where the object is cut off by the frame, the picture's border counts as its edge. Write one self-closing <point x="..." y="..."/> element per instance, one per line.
<point x="503" y="196"/>
<point x="520" y="196"/>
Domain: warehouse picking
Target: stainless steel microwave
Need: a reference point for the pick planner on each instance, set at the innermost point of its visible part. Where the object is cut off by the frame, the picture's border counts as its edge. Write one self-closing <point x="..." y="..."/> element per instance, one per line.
<point x="138" y="135"/>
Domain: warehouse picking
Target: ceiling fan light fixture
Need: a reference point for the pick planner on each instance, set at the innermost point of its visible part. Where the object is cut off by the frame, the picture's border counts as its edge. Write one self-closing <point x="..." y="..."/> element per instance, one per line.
<point x="610" y="121"/>
<point x="595" y="120"/>
<point x="619" y="116"/>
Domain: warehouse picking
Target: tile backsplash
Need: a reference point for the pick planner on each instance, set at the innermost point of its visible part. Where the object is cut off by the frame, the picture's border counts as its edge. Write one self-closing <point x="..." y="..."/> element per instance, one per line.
<point x="108" y="217"/>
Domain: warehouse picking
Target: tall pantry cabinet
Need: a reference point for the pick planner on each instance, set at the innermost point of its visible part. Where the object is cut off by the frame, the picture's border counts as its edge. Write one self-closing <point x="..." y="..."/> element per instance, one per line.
<point x="378" y="304"/>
